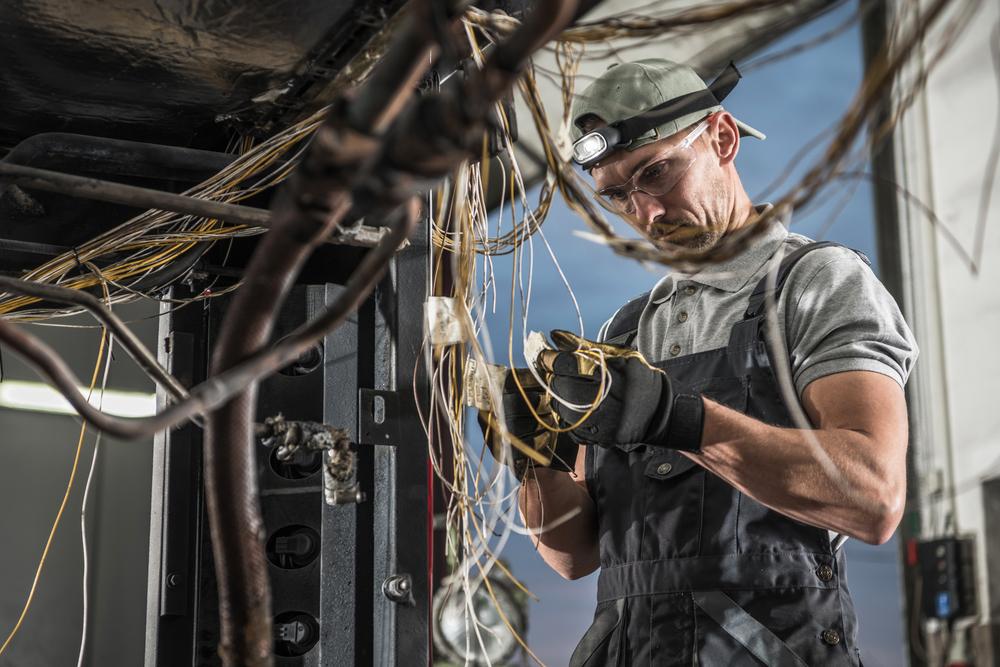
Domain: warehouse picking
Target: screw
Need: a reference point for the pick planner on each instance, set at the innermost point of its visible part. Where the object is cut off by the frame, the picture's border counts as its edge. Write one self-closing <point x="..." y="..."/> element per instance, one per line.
<point x="398" y="589"/>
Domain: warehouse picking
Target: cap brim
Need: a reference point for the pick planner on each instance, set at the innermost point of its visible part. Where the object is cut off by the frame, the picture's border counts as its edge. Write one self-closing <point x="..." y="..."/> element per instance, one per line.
<point x="747" y="131"/>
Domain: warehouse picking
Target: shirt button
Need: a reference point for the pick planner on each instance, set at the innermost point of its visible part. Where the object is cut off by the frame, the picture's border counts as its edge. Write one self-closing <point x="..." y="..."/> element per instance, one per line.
<point x="689" y="290"/>
<point x="831" y="637"/>
<point x="663" y="468"/>
<point x="675" y="349"/>
<point x="682" y="316"/>
<point x="824" y="572"/>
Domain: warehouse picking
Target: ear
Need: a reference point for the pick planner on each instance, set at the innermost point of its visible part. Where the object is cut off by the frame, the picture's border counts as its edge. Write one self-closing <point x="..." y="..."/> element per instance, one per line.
<point x="724" y="136"/>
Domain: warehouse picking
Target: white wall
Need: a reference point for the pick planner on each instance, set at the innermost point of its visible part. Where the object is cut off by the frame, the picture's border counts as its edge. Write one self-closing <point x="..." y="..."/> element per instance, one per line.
<point x="943" y="151"/>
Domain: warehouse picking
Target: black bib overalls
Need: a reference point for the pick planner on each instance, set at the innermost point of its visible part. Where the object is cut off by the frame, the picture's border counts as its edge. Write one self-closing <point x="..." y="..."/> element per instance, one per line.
<point x="693" y="572"/>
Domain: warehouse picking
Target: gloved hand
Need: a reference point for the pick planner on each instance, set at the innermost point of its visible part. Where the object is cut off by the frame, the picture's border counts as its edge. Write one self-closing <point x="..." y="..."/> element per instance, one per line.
<point x="640" y="404"/>
<point x="551" y="450"/>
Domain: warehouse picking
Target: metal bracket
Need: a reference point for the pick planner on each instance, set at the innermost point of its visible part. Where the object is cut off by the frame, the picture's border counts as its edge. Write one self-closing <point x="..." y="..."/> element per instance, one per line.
<point x="378" y="417"/>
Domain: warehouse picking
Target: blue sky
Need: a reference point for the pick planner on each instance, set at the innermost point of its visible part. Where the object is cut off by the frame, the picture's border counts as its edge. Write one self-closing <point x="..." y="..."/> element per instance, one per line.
<point x="792" y="101"/>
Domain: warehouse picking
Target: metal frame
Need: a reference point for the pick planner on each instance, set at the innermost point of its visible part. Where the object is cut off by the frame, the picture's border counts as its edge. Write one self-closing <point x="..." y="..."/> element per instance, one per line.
<point x="366" y="549"/>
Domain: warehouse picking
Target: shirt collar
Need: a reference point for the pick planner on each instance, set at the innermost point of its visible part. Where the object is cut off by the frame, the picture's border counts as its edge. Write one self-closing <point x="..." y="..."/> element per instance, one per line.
<point x="734" y="273"/>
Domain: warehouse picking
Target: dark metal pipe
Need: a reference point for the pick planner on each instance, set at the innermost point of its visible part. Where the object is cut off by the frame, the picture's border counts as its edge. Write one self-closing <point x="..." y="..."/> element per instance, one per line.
<point x="62" y="151"/>
<point x="139" y="197"/>
<point x="131" y="195"/>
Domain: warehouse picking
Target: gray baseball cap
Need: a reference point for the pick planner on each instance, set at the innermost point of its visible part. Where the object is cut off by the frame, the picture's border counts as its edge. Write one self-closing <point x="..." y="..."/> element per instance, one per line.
<point x="651" y="99"/>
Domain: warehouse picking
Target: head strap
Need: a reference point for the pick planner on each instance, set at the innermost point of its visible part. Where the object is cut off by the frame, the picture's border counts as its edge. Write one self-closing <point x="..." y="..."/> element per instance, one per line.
<point x="636" y="126"/>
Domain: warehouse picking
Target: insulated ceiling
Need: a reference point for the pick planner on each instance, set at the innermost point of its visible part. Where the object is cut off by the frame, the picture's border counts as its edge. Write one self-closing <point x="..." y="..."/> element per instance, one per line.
<point x="171" y="71"/>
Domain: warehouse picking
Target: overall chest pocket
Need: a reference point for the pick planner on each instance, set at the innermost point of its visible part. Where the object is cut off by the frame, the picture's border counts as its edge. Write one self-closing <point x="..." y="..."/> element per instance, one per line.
<point x="688" y="510"/>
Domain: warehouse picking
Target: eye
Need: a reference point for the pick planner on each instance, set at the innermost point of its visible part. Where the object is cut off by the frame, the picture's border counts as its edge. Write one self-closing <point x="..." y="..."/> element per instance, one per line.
<point x="654" y="170"/>
<point x="614" y="195"/>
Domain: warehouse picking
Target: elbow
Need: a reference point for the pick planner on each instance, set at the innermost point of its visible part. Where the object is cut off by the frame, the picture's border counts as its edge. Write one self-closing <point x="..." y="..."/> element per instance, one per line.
<point x="576" y="572"/>
<point x="575" y="566"/>
<point x="885" y="518"/>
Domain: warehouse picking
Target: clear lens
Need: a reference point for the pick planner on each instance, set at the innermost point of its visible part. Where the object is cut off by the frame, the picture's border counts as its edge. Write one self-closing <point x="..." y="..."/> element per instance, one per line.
<point x="656" y="178"/>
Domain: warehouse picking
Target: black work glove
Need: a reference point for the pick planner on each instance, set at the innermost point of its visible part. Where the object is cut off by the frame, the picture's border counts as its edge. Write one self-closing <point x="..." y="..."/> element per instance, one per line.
<point x="641" y="405"/>
<point x="554" y="450"/>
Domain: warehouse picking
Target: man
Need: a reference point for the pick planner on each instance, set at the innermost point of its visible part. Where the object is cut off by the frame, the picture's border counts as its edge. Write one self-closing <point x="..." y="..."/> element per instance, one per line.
<point x="711" y="514"/>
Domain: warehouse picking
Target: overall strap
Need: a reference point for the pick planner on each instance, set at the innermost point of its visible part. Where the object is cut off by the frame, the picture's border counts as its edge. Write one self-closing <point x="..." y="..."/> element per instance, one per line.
<point x="755" y="306"/>
<point x="747" y="630"/>
<point x="621" y="329"/>
<point x="746" y="344"/>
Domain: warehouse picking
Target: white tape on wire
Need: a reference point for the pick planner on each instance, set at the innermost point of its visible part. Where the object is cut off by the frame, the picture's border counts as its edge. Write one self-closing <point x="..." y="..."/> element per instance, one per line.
<point x="478" y="378"/>
<point x="441" y="321"/>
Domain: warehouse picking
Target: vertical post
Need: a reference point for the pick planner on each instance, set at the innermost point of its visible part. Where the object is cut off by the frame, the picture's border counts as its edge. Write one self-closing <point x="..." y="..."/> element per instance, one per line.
<point x="346" y="627"/>
<point x="176" y="503"/>
<point x="402" y="522"/>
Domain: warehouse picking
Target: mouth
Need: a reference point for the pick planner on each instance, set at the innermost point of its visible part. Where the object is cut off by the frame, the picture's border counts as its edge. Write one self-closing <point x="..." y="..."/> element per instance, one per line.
<point x="681" y="234"/>
<point x="664" y="231"/>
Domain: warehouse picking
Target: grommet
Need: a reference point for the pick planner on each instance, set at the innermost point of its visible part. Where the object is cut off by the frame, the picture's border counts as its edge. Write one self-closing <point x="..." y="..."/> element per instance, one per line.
<point x="831" y="637"/>
<point x="824" y="572"/>
<point x="664" y="469"/>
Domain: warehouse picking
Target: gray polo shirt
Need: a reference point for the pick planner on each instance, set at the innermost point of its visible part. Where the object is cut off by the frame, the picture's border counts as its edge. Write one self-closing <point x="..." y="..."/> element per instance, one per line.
<point x="837" y="315"/>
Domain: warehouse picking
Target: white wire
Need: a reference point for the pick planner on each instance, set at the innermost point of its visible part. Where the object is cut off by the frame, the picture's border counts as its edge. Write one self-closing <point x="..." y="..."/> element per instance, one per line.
<point x="83" y="506"/>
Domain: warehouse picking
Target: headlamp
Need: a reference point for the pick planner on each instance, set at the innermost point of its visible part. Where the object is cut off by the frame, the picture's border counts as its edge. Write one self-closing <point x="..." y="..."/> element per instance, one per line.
<point x="594" y="146"/>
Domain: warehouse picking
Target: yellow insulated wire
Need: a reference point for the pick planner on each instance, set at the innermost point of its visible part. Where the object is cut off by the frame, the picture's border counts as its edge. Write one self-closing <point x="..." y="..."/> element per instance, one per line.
<point x="62" y="506"/>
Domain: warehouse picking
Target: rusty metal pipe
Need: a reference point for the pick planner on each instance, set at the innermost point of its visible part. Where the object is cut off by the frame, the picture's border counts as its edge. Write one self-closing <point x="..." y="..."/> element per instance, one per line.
<point x="307" y="209"/>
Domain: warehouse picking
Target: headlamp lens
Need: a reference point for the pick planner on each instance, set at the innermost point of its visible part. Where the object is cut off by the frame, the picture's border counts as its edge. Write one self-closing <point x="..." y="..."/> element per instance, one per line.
<point x="589" y="148"/>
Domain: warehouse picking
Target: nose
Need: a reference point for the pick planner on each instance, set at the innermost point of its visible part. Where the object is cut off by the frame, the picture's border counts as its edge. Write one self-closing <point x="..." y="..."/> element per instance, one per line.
<point x="646" y="207"/>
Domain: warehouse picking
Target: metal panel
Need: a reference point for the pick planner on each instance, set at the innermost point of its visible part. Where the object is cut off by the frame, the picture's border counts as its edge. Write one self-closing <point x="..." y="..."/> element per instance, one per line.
<point x="360" y="546"/>
<point x="176" y="506"/>
<point x="346" y="529"/>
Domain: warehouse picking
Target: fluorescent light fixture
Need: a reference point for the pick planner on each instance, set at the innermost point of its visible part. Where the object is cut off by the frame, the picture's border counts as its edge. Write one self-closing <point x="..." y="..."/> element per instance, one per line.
<point x="40" y="397"/>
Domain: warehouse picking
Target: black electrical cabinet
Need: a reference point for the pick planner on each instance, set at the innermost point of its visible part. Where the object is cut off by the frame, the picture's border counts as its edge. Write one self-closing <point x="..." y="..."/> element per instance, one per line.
<point x="335" y="570"/>
<point x="947" y="568"/>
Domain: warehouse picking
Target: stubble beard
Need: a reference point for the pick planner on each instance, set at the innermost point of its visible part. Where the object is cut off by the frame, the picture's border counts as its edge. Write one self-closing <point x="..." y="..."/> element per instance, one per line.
<point x="688" y="237"/>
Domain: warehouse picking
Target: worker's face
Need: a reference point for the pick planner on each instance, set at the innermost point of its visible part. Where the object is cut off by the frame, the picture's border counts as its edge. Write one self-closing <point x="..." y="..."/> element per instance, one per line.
<point x="696" y="211"/>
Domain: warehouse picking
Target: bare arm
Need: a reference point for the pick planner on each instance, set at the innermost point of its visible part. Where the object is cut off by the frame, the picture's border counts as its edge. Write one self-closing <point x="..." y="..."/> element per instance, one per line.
<point x="569" y="548"/>
<point x="861" y="424"/>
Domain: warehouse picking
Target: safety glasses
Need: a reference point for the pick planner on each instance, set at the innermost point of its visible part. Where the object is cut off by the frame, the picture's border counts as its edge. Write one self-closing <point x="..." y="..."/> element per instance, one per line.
<point x="656" y="178"/>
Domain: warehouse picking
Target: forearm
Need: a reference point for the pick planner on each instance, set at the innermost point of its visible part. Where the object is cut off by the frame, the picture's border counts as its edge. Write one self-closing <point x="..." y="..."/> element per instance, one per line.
<point x="568" y="545"/>
<point x="832" y="477"/>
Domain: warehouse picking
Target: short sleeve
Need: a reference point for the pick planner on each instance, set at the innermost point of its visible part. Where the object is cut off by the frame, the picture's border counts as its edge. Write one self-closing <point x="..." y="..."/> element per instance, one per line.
<point x="839" y="317"/>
